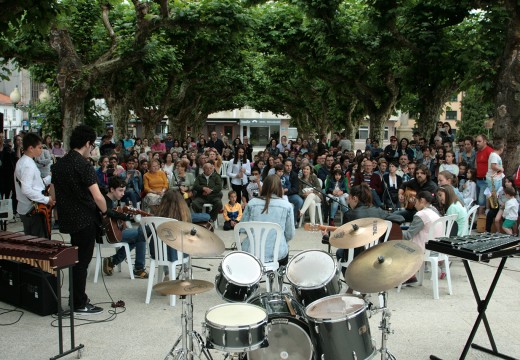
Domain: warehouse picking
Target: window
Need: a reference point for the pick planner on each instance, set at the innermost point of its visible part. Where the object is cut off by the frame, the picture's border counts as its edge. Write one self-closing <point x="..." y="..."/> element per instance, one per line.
<point x="451" y="115"/>
<point x="228" y="131"/>
<point x="362" y="132"/>
<point x="386" y="136"/>
<point x="454" y="98"/>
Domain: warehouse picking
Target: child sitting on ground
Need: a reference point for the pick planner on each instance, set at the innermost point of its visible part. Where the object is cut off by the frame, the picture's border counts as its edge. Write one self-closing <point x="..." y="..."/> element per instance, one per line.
<point x="232" y="212"/>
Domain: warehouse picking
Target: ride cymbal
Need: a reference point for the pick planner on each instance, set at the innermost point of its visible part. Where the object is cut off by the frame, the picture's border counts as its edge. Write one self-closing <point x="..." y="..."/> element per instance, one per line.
<point x="358" y="233"/>
<point x="384" y="266"/>
<point x="183" y="287"/>
<point x="190" y="238"/>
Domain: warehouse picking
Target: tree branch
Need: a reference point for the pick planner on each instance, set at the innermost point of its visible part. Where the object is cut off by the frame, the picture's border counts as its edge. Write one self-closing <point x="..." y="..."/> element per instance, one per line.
<point x="106" y="22"/>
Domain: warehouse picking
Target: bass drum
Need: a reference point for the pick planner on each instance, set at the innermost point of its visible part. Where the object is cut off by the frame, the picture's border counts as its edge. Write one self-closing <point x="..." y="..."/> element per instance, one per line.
<point x="313" y="274"/>
<point x="340" y="329"/>
<point x="288" y="330"/>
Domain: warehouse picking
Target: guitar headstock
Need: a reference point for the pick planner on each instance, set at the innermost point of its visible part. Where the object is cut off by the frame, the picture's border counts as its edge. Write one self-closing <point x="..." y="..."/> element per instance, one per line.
<point x="312" y="227"/>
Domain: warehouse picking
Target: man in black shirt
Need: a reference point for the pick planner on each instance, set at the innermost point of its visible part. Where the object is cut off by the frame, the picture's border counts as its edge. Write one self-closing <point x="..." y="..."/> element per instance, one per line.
<point x="216" y="143"/>
<point x="79" y="201"/>
<point x="421" y="182"/>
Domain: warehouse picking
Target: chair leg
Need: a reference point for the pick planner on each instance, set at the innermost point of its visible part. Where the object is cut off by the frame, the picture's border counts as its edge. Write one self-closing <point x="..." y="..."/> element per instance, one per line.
<point x="435" y="278"/>
<point x="98" y="263"/>
<point x="129" y="261"/>
<point x="448" y="274"/>
<point x="150" y="281"/>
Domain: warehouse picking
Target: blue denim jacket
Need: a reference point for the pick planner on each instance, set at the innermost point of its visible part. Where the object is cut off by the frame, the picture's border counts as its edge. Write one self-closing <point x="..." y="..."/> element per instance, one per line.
<point x="280" y="212"/>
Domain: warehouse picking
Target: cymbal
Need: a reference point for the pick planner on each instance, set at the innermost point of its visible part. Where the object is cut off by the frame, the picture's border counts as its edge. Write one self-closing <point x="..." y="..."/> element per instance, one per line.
<point x="384" y="266"/>
<point x="190" y="238"/>
<point x="183" y="287"/>
<point x="358" y="233"/>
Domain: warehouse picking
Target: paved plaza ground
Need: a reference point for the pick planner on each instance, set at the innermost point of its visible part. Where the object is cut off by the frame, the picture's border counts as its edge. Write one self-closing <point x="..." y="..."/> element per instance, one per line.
<point x="421" y="325"/>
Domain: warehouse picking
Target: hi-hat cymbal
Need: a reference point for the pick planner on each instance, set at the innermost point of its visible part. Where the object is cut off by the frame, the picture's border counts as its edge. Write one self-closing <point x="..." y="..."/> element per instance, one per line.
<point x="358" y="233"/>
<point x="384" y="266"/>
<point x="190" y="238"/>
<point x="183" y="287"/>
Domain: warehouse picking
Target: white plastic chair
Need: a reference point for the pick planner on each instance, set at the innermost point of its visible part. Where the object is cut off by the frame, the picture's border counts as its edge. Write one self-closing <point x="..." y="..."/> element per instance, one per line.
<point x="161" y="255"/>
<point x="470" y="219"/>
<point x="116" y="247"/>
<point x="257" y="232"/>
<point x="446" y="223"/>
<point x="223" y="171"/>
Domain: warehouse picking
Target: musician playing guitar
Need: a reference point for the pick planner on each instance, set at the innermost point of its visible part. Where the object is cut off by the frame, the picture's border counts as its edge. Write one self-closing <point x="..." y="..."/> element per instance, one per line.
<point x="134" y="237"/>
<point x="30" y="188"/>
<point x="407" y="191"/>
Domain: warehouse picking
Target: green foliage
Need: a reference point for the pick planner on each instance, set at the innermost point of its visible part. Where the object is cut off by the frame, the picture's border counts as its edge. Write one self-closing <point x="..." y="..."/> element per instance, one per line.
<point x="477" y="107"/>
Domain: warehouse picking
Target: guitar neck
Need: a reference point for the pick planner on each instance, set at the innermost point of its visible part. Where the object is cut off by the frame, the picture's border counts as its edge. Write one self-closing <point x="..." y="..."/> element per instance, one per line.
<point x="134" y="211"/>
<point x="318" y="227"/>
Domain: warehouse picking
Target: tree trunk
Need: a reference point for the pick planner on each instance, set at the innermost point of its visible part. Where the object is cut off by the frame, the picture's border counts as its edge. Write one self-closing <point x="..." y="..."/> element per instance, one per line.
<point x="431" y="109"/>
<point x="73" y="112"/>
<point x="120" y="112"/>
<point x="507" y="99"/>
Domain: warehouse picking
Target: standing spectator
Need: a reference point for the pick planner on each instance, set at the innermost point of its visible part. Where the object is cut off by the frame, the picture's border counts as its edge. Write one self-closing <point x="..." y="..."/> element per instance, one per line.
<point x="238" y="171"/>
<point x="335" y="142"/>
<point x="44" y="162"/>
<point x="322" y="145"/>
<point x="57" y="150"/>
<point x="110" y="134"/>
<point x="495" y="172"/>
<point x="481" y="162"/>
<point x="232" y="212"/>
<point x="128" y="143"/>
<point x="30" y="188"/>
<point x="228" y="146"/>
<point x="469" y="192"/>
<point x="216" y="143"/>
<point x="428" y="160"/>
<point x="283" y="145"/>
<point x="272" y="148"/>
<point x="168" y="142"/>
<point x="345" y="143"/>
<point x="79" y="201"/>
<point x="208" y="190"/>
<point x="449" y="164"/>
<point x="7" y="166"/>
<point x="157" y="145"/>
<point x="510" y="210"/>
<point x="107" y="147"/>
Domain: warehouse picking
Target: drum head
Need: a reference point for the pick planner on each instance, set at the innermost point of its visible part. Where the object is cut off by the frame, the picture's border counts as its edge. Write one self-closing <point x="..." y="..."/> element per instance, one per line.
<point x="335" y="307"/>
<point x="232" y="315"/>
<point x="242" y="268"/>
<point x="310" y="268"/>
<point x="286" y="341"/>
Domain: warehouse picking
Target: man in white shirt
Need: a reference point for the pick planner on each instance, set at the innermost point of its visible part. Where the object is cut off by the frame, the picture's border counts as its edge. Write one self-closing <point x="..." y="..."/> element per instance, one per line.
<point x="30" y="187"/>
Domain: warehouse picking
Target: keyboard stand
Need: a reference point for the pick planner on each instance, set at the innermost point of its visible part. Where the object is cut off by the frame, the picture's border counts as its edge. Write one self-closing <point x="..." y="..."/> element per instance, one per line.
<point x="482" y="305"/>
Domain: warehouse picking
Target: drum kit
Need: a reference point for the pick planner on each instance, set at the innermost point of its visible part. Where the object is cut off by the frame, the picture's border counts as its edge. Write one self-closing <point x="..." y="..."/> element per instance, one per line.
<point x="313" y="321"/>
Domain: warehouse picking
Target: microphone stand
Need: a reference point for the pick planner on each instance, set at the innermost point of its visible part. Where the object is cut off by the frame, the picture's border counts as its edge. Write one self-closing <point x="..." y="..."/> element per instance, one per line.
<point x="328" y="196"/>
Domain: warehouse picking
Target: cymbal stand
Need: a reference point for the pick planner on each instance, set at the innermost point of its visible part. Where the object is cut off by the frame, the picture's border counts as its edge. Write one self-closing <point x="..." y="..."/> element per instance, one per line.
<point x="384" y="326"/>
<point x="185" y="352"/>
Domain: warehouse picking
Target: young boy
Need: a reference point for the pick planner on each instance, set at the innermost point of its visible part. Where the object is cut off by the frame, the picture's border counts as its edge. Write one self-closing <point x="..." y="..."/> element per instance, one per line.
<point x="510" y="211"/>
<point x="232" y="212"/>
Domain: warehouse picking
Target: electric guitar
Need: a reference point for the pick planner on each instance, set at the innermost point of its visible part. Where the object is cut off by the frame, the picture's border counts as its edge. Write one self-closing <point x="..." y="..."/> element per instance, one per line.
<point x="115" y="227"/>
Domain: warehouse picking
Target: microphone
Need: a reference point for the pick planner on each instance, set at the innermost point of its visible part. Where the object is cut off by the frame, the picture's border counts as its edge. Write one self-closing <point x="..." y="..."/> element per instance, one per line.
<point x="306" y="183"/>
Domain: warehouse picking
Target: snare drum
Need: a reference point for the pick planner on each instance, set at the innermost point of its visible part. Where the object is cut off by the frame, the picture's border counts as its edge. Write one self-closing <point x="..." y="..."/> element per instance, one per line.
<point x="313" y="274"/>
<point x="340" y="329"/>
<point x="238" y="277"/>
<point x="288" y="330"/>
<point x="236" y="327"/>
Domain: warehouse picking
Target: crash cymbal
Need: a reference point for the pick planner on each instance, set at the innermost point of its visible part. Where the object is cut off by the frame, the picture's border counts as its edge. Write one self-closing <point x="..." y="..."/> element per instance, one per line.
<point x="183" y="287"/>
<point x="384" y="266"/>
<point x="358" y="233"/>
<point x="196" y="240"/>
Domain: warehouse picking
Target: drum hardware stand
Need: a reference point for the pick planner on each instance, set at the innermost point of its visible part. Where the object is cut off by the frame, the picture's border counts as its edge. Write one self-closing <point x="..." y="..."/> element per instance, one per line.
<point x="185" y="352"/>
<point x="384" y="326"/>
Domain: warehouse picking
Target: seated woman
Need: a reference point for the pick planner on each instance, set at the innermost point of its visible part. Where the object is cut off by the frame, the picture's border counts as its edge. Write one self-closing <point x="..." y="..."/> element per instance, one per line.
<point x="361" y="206"/>
<point x="182" y="180"/>
<point x="155" y="184"/>
<point x="308" y="194"/>
<point x="338" y="188"/>
<point x="270" y="207"/>
<point x="173" y="206"/>
<point x="450" y="204"/>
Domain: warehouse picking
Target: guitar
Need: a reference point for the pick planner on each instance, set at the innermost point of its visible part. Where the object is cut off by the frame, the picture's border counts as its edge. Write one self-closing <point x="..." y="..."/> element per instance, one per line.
<point x="396" y="233"/>
<point x="409" y="194"/>
<point x="115" y="227"/>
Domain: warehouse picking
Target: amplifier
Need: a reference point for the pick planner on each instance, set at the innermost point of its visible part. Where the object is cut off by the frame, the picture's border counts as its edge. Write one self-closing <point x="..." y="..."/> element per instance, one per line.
<point x="36" y="294"/>
<point x="10" y="284"/>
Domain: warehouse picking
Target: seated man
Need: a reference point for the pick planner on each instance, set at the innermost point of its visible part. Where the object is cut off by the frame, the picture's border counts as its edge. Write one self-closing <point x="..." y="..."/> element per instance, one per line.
<point x="134" y="237"/>
<point x="208" y="190"/>
<point x="134" y="183"/>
